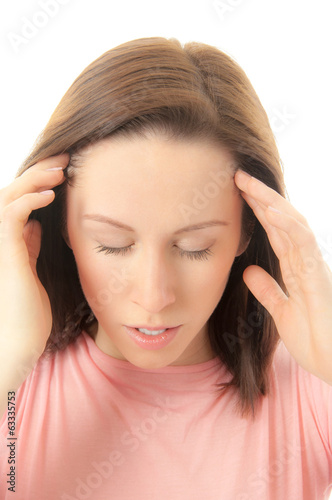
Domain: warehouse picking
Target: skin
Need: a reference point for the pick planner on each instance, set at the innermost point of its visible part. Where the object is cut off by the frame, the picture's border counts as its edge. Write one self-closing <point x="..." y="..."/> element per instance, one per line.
<point x="303" y="317"/>
<point x="149" y="184"/>
<point x="163" y="287"/>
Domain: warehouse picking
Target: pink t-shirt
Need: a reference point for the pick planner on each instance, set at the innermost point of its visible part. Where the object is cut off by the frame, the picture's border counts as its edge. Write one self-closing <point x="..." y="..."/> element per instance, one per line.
<point x="89" y="426"/>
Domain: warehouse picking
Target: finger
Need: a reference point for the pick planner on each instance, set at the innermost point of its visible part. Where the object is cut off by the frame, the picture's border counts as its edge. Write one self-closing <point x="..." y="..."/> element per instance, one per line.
<point x="301" y="261"/>
<point x="14" y="217"/>
<point x="32" y="234"/>
<point x="285" y="232"/>
<point x="301" y="236"/>
<point x="36" y="179"/>
<point x="265" y="289"/>
<point x="61" y="160"/>
<point x="281" y="244"/>
<point x="278" y="239"/>
<point x="265" y="195"/>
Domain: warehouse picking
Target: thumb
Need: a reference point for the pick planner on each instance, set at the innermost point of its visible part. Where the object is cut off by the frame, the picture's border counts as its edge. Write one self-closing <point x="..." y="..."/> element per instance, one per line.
<point x="265" y="289"/>
<point x="32" y="234"/>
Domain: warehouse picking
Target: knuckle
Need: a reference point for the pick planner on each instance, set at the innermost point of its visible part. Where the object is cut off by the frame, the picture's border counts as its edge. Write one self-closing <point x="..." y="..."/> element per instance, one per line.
<point x="32" y="172"/>
<point x="308" y="239"/>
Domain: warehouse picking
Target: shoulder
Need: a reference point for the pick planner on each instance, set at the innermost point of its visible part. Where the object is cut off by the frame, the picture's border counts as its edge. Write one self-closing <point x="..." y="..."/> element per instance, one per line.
<point x="52" y="364"/>
<point x="59" y="380"/>
<point x="53" y="374"/>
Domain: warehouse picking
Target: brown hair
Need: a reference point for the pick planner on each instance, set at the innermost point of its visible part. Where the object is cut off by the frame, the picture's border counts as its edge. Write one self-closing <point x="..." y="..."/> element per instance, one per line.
<point x="193" y="91"/>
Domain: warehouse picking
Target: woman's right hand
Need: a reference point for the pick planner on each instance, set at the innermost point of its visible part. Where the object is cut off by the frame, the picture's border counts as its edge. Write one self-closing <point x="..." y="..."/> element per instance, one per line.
<point x="25" y="310"/>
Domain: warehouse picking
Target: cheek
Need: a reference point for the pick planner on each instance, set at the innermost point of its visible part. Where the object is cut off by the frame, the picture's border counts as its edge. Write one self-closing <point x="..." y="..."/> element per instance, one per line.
<point x="210" y="281"/>
<point x="100" y="279"/>
<point x="102" y="285"/>
<point x="207" y="283"/>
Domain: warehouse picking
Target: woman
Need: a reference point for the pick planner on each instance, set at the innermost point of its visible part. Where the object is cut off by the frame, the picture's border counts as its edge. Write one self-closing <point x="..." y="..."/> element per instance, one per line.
<point x="178" y="304"/>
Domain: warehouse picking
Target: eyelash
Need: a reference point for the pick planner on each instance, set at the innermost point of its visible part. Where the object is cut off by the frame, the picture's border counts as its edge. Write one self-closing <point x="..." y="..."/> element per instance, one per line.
<point x="195" y="255"/>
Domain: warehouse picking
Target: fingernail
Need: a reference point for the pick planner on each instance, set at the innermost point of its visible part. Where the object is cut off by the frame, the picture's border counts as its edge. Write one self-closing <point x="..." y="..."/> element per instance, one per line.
<point x="244" y="173"/>
<point x="54" y="168"/>
<point x="46" y="193"/>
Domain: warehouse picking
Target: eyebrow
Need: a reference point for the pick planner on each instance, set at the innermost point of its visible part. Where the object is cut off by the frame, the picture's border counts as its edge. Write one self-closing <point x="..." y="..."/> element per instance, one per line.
<point x="194" y="227"/>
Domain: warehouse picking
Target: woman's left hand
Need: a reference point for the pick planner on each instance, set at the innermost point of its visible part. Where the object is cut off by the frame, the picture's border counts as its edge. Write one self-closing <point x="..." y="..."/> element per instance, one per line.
<point x="303" y="317"/>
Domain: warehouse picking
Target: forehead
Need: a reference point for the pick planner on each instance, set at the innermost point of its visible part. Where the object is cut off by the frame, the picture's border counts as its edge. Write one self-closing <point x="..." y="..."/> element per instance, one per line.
<point x="156" y="160"/>
<point x="154" y="174"/>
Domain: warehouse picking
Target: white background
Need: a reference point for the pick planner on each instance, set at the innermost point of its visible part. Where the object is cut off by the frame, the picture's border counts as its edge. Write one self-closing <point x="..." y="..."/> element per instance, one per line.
<point x="283" y="45"/>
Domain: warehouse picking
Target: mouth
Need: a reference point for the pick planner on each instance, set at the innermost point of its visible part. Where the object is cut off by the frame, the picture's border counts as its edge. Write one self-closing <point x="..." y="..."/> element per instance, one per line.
<point x="151" y="332"/>
<point x="156" y="330"/>
<point x="152" y="338"/>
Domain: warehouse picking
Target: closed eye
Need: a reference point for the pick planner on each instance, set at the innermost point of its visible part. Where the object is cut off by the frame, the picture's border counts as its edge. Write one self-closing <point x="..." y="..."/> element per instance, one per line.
<point x="196" y="254"/>
<point x="115" y="251"/>
<point x="192" y="255"/>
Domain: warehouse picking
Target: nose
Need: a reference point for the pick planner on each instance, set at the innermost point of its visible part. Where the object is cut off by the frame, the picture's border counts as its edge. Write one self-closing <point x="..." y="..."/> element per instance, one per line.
<point x="153" y="283"/>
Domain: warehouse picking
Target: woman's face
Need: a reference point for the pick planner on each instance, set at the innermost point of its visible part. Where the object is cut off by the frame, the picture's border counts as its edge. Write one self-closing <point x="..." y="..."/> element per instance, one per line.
<point x="152" y="200"/>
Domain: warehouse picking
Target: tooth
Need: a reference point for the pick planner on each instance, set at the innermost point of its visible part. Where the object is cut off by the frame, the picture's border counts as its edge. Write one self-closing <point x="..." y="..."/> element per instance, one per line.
<point x="151" y="332"/>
